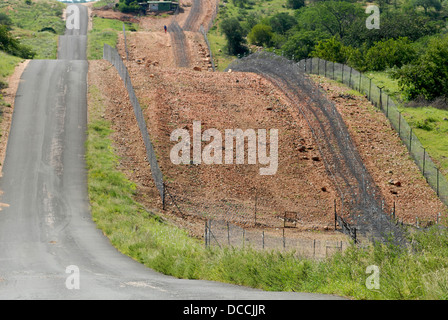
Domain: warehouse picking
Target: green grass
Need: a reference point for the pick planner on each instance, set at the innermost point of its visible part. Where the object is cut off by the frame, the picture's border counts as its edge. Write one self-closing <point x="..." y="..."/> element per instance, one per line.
<point x="382" y="79"/>
<point x="432" y="130"/>
<point x="105" y="31"/>
<point x="427" y="122"/>
<point x="404" y="274"/>
<point x="37" y="25"/>
<point x="7" y="66"/>
<point x="102" y="3"/>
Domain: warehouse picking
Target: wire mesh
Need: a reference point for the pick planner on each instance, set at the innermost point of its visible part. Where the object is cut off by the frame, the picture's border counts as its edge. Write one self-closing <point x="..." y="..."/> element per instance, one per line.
<point x="360" y="197"/>
<point x="379" y="97"/>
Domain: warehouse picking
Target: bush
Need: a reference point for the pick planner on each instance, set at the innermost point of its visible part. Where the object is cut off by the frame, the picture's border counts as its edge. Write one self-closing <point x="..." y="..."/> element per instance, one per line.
<point x="128" y="6"/>
<point x="428" y="77"/>
<point x="12" y="46"/>
<point x="331" y="50"/>
<point x="295" y="4"/>
<point x="233" y="32"/>
<point x="390" y="53"/>
<point x="261" y="35"/>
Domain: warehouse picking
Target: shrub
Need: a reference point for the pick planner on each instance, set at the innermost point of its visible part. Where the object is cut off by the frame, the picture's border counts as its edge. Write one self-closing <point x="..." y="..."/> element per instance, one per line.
<point x="261" y="35"/>
<point x="390" y="53"/>
<point x="428" y="76"/>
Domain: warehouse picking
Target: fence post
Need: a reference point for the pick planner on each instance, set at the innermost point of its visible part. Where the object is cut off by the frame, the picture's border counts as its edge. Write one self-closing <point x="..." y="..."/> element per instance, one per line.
<point x="228" y="233"/>
<point x="125" y="43"/>
<point x="206" y="234"/>
<point x="314" y="248"/>
<point x="410" y="141"/>
<point x="381" y="97"/>
<point x="437" y="181"/>
<point x="335" y="215"/>
<point x="262" y="239"/>
<point x="325" y="68"/>
<point x="359" y="87"/>
<point x="244" y="233"/>
<point x="350" y="79"/>
<point x="333" y="69"/>
<point x="164" y="196"/>
<point x="255" y="210"/>
<point x="394" y="215"/>
<point x="342" y="73"/>
<point x="424" y="160"/>
<point x="387" y="107"/>
<point x="370" y="88"/>
<point x="284" y="244"/>
<point x="318" y="66"/>
<point x="399" y="124"/>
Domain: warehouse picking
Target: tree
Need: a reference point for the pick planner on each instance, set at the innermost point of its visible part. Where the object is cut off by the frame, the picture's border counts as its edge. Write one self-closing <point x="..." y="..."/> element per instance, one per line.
<point x="300" y="44"/>
<point x="332" y="17"/>
<point x="261" y="35"/>
<point x="282" y="22"/>
<point x="427" y="4"/>
<point x="295" y="4"/>
<point x="428" y="77"/>
<point x="331" y="50"/>
<point x="234" y="34"/>
<point x="390" y="53"/>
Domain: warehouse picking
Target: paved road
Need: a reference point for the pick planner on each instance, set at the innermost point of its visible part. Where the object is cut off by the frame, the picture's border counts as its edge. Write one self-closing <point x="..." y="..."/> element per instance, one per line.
<point x="48" y="227"/>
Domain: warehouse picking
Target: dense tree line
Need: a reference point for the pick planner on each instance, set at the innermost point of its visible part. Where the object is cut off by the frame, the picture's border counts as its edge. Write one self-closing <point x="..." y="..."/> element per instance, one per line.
<point x="410" y="42"/>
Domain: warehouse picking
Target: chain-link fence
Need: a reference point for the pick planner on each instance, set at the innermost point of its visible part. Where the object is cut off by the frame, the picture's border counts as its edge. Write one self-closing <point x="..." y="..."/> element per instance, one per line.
<point x="204" y="33"/>
<point x="110" y="54"/>
<point x="256" y="213"/>
<point x="378" y="96"/>
<point x="223" y="234"/>
<point x="362" y="201"/>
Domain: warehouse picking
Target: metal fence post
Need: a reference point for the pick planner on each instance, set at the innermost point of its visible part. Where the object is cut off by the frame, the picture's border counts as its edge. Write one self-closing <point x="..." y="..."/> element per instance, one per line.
<point x="381" y="97"/>
<point x="350" y="79"/>
<point x="424" y="160"/>
<point x="387" y="107"/>
<point x="262" y="239"/>
<point x="335" y="215"/>
<point x="410" y="141"/>
<point x="360" y="78"/>
<point x="284" y="244"/>
<point x="333" y="70"/>
<point x="437" y="181"/>
<point x="164" y="196"/>
<point x="206" y="234"/>
<point x="228" y="233"/>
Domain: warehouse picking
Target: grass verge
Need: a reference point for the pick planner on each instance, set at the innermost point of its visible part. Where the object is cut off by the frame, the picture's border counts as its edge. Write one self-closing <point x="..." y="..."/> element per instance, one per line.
<point x="105" y="31"/>
<point x="420" y="273"/>
<point x="7" y="66"/>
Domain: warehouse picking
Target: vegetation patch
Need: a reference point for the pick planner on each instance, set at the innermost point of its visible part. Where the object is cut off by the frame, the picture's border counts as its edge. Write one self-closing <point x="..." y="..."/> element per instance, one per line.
<point x="105" y="31"/>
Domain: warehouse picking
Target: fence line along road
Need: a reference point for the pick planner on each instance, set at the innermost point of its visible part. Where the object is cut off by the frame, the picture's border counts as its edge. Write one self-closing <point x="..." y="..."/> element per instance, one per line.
<point x="110" y="54"/>
<point x="244" y="215"/>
